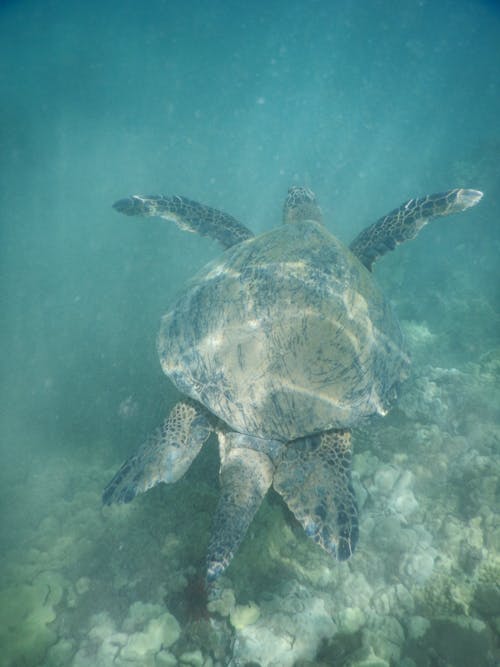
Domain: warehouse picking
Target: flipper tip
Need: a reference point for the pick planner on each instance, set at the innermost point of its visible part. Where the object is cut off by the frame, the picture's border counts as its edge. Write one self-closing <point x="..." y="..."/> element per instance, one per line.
<point x="123" y="205"/>
<point x="129" y="205"/>
<point x="469" y="198"/>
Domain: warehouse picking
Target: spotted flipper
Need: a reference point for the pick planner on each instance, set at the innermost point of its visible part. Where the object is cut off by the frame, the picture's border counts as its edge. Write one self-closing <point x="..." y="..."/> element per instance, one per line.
<point x="188" y="215"/>
<point x="405" y="222"/>
<point x="164" y="457"/>
<point x="313" y="476"/>
<point x="245" y="475"/>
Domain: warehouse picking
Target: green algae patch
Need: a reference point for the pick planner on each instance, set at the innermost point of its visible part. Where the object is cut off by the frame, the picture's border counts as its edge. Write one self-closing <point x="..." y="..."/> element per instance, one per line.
<point x="26" y="613"/>
<point x="243" y="615"/>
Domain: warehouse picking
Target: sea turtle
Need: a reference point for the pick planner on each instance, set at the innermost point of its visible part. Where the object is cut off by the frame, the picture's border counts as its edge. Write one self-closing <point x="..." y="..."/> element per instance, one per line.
<point x="281" y="346"/>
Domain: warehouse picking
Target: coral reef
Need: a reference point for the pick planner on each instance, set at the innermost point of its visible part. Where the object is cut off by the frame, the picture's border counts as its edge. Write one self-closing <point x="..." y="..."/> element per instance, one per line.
<point x="92" y="586"/>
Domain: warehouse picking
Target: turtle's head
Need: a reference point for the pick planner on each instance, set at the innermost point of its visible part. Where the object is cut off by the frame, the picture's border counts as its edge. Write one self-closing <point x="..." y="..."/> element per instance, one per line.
<point x="300" y="204"/>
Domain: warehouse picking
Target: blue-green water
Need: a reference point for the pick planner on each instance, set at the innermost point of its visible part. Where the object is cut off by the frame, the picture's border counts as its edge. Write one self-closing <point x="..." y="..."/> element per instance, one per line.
<point x="368" y="103"/>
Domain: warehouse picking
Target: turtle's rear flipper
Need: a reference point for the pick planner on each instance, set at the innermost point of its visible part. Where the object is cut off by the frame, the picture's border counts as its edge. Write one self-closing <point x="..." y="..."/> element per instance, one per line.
<point x="164" y="457"/>
<point x="188" y="215"/>
<point x="405" y="222"/>
<point x="313" y="476"/>
<point x="245" y="475"/>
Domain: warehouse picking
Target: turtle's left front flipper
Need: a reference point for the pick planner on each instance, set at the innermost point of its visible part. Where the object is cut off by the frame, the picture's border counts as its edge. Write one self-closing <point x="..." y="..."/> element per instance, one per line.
<point x="187" y="214"/>
<point x="164" y="457"/>
<point x="313" y="476"/>
<point x="405" y="222"/>
<point x="245" y="475"/>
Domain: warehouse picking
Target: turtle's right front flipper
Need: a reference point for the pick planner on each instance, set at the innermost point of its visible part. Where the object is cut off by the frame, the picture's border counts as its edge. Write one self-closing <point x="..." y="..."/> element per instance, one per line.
<point x="164" y="457"/>
<point x="188" y="215"/>
<point x="405" y="222"/>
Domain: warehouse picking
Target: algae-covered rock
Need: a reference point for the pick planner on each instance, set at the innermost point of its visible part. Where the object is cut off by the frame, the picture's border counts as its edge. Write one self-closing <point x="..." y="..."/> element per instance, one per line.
<point x="82" y="585"/>
<point x="487" y="594"/>
<point x="487" y="598"/>
<point x="60" y="654"/>
<point x="289" y="629"/>
<point x="165" y="659"/>
<point x="417" y="626"/>
<point x="139" y="614"/>
<point x="138" y="647"/>
<point x="370" y="662"/>
<point x="365" y="657"/>
<point x="385" y="478"/>
<point x="26" y="614"/>
<point x="460" y="641"/>
<point x="350" y="620"/>
<point x="192" y="658"/>
<point x="385" y="637"/>
<point x="445" y="596"/>
<point x="243" y="615"/>
<point x="145" y="635"/>
<point x="419" y="566"/>
<point x="223" y="604"/>
<point x="102" y="645"/>
<point x="159" y="633"/>
<point x="102" y="625"/>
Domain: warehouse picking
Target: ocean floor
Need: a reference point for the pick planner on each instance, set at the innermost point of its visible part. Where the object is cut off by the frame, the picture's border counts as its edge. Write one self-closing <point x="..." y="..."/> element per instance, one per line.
<point x="87" y="586"/>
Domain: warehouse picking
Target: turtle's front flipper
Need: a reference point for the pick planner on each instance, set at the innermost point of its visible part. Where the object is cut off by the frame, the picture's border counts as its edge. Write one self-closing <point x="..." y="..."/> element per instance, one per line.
<point x="405" y="222"/>
<point x="164" y="457"/>
<point x="188" y="215"/>
<point x="246" y="474"/>
<point x="313" y="476"/>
